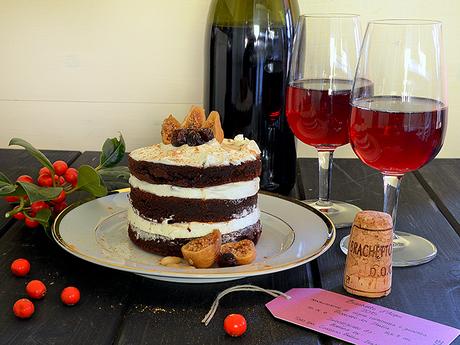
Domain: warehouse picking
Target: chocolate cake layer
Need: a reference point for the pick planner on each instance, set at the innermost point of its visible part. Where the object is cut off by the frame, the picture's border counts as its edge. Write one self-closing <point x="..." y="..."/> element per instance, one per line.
<point x="187" y="176"/>
<point x="166" y="246"/>
<point x="180" y="210"/>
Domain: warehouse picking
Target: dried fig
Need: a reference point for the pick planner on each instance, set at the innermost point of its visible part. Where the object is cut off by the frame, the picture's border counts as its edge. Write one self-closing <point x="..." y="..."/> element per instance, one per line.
<point x="195" y="118"/>
<point x="244" y="251"/>
<point x="191" y="136"/>
<point x="194" y="138"/>
<point x="202" y="252"/>
<point x="213" y="122"/>
<point x="170" y="124"/>
<point x="206" y="134"/>
<point x="179" y="137"/>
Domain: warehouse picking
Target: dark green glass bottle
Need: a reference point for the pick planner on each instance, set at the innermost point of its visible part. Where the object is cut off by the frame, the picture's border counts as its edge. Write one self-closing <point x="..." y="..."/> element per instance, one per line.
<point x="248" y="46"/>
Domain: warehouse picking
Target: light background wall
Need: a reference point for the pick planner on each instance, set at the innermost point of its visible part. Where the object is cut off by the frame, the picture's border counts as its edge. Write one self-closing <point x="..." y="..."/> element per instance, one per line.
<point x="75" y="72"/>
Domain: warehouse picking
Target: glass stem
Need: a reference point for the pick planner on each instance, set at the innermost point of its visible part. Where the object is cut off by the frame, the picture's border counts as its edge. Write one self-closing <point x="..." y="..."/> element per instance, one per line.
<point x="391" y="185"/>
<point x="325" y="174"/>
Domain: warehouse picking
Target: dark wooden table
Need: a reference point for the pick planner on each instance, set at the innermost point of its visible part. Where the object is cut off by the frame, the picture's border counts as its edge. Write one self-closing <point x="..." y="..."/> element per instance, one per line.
<point x="122" y="308"/>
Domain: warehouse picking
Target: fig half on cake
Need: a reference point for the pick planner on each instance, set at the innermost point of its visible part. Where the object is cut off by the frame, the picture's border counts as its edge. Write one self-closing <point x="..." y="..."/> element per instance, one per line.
<point x="202" y="252"/>
<point x="170" y="124"/>
<point x="195" y="118"/>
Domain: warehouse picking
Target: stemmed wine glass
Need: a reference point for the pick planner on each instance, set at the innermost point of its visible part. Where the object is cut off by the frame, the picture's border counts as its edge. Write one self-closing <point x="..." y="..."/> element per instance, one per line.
<point x="399" y="125"/>
<point x="324" y="58"/>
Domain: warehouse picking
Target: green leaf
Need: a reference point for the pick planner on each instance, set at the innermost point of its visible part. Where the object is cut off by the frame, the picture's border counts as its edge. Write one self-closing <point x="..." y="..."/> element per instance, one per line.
<point x="7" y="188"/>
<point x="36" y="193"/>
<point x="34" y="152"/>
<point x="4" y="178"/>
<point x="115" y="173"/>
<point x="43" y="217"/>
<point x="112" y="153"/>
<point x="115" y="185"/>
<point x="115" y="178"/>
<point x="89" y="180"/>
<point x="18" y="191"/>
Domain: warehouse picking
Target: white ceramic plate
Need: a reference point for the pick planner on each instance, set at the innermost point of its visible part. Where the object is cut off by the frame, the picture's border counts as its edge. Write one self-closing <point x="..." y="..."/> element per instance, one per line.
<point x="96" y="231"/>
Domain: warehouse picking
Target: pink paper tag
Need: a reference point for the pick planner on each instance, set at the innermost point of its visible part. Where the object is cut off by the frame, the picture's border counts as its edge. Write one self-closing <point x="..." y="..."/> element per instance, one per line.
<point x="355" y="321"/>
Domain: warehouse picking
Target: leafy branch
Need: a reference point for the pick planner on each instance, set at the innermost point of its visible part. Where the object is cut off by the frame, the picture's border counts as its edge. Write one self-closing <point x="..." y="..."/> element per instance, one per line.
<point x="38" y="204"/>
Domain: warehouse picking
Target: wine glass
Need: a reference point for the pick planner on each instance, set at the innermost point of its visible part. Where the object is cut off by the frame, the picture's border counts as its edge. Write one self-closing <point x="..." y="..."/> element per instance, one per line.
<point x="399" y="125"/>
<point x="325" y="53"/>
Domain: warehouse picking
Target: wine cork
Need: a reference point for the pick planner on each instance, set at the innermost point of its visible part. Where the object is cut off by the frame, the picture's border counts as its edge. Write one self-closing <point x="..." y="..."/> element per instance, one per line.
<point x="368" y="266"/>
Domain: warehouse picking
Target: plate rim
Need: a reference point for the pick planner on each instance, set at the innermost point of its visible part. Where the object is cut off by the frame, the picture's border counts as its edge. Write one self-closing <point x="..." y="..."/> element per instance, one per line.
<point x="193" y="274"/>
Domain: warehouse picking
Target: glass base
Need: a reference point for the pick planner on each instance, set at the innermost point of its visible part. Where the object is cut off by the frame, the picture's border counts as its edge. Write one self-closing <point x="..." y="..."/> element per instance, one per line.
<point x="408" y="249"/>
<point x="341" y="213"/>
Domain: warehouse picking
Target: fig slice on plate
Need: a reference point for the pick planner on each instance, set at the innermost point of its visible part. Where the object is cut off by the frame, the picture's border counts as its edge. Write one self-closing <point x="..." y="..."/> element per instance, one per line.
<point x="202" y="252"/>
<point x="244" y="251"/>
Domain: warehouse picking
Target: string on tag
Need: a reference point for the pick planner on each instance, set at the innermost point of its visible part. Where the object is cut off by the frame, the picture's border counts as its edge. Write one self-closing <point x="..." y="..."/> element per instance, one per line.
<point x="215" y="304"/>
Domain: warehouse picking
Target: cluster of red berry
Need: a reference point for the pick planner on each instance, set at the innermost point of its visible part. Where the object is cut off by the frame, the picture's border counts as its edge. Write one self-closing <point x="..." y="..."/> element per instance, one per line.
<point x="35" y="289"/>
<point x="64" y="177"/>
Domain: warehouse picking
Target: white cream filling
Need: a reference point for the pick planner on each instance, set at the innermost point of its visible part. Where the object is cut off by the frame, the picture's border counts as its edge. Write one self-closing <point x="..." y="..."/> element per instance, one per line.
<point x="228" y="191"/>
<point x="191" y="229"/>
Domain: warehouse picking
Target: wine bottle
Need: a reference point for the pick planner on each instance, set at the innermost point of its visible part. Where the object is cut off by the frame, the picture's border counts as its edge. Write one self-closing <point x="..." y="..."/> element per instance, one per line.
<point x="247" y="51"/>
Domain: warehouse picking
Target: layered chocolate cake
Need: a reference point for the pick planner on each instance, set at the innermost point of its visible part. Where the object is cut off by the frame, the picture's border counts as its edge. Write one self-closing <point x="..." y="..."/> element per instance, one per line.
<point x="181" y="192"/>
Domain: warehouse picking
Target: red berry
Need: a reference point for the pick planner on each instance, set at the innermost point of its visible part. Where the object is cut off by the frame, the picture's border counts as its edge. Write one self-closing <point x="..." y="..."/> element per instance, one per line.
<point x="59" y="180"/>
<point x="70" y="295"/>
<point x="45" y="181"/>
<point x="25" y="178"/>
<point x="20" y="267"/>
<point x="23" y="308"/>
<point x="60" y="198"/>
<point x="36" y="289"/>
<point x="60" y="167"/>
<point x="31" y="223"/>
<point x="71" y="176"/>
<point x="235" y="325"/>
<point x="19" y="216"/>
<point x="44" y="171"/>
<point x="58" y="208"/>
<point x="38" y="205"/>
<point x="11" y="198"/>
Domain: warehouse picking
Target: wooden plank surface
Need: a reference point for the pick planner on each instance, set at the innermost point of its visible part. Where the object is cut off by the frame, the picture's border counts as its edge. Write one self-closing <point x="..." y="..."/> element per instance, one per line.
<point x="432" y="290"/>
<point x="93" y="321"/>
<point x="171" y="313"/>
<point x="121" y="308"/>
<point x="441" y="178"/>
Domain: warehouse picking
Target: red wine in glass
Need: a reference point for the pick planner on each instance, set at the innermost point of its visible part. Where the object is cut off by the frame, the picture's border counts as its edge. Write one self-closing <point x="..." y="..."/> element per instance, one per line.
<point x="318" y="111"/>
<point x="396" y="135"/>
<point x="400" y="126"/>
<point x="324" y="57"/>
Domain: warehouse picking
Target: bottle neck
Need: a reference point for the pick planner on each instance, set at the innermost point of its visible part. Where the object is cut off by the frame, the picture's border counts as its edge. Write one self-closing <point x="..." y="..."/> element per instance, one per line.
<point x="255" y="12"/>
